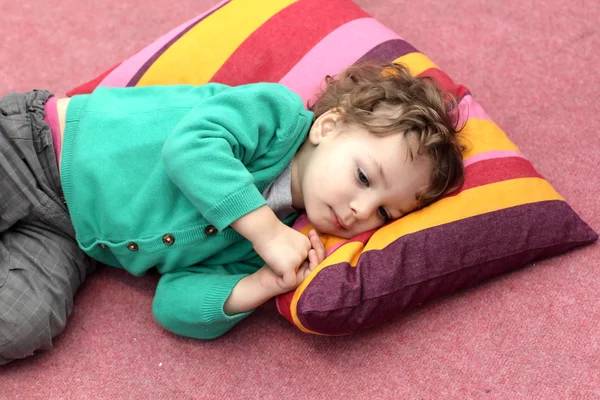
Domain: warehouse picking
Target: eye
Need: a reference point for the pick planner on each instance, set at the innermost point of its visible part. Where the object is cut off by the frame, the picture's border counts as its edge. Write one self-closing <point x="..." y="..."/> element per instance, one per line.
<point x="384" y="214"/>
<point x="362" y="178"/>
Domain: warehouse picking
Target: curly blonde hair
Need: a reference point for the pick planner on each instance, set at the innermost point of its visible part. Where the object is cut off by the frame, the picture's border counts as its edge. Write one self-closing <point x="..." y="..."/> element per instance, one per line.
<point x="386" y="99"/>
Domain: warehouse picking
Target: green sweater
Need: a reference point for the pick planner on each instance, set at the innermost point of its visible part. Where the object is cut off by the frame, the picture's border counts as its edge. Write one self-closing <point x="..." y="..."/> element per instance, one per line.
<point x="154" y="176"/>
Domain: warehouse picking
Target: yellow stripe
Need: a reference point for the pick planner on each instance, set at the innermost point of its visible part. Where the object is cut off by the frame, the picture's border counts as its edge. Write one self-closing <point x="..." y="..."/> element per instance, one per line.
<point x="477" y="135"/>
<point x="472" y="202"/>
<point x="416" y="62"/>
<point x="481" y="135"/>
<point x="197" y="56"/>
<point x="476" y="201"/>
<point x="352" y="247"/>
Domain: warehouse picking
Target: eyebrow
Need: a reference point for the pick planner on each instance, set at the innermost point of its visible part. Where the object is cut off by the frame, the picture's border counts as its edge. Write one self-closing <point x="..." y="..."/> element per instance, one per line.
<point x="380" y="171"/>
<point x="386" y="185"/>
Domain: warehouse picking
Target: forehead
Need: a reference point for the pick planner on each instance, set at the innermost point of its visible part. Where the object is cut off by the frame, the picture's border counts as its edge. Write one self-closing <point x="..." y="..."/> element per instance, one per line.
<point x="394" y="151"/>
<point x="404" y="175"/>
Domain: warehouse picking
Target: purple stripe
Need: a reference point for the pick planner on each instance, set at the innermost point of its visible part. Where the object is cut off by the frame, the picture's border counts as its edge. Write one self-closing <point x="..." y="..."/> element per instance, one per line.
<point x="138" y="75"/>
<point x="388" y="51"/>
<point x="436" y="262"/>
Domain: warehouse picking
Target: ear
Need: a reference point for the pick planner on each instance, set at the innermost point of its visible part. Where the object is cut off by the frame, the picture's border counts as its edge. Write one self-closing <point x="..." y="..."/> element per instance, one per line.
<point x="325" y="126"/>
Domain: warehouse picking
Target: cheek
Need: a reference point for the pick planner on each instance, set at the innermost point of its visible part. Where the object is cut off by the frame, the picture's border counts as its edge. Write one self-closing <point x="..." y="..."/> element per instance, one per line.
<point x="331" y="178"/>
<point x="333" y="187"/>
<point x="340" y="188"/>
<point x="372" y="223"/>
<point x="319" y="176"/>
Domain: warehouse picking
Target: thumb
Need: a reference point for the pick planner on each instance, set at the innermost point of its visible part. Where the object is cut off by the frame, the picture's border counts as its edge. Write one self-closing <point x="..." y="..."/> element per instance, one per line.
<point x="289" y="279"/>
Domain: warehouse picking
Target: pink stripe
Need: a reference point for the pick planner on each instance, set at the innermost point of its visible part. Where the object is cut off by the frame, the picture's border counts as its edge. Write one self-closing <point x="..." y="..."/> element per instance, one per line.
<point x="301" y="222"/>
<point x="470" y="108"/>
<point x="362" y="238"/>
<point x="339" y="49"/>
<point x="120" y="76"/>
<point x="488" y="155"/>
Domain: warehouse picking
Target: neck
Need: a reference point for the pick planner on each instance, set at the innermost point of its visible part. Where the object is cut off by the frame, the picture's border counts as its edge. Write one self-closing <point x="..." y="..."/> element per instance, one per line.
<point x="298" y="163"/>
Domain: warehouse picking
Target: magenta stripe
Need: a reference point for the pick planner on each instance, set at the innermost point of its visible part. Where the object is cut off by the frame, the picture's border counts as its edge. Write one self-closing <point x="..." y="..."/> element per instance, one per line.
<point x="339" y="49"/>
<point x="122" y="75"/>
<point x="469" y="108"/>
<point x="389" y="51"/>
<point x="488" y="155"/>
<point x="435" y="262"/>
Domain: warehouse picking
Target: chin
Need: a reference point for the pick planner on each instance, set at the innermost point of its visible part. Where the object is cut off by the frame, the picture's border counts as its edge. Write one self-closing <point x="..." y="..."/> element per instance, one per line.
<point x="334" y="231"/>
<point x="324" y="226"/>
<point x="318" y="223"/>
<point x="345" y="235"/>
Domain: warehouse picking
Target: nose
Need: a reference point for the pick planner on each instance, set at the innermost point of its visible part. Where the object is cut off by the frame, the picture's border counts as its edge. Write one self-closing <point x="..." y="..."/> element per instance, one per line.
<point x="363" y="208"/>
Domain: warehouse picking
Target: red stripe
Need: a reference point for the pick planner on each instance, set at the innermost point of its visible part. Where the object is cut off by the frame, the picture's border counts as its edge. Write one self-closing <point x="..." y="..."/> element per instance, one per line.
<point x="496" y="170"/>
<point x="271" y="51"/>
<point x="445" y="83"/>
<point x="89" y="86"/>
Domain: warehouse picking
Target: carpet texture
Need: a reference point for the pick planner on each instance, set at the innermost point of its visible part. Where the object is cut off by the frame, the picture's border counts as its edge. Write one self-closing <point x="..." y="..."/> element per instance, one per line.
<point x="532" y="334"/>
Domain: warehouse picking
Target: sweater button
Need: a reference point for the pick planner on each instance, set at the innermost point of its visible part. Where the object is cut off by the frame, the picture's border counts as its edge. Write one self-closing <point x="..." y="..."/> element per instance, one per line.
<point x="168" y="239"/>
<point x="132" y="246"/>
<point x="210" y="230"/>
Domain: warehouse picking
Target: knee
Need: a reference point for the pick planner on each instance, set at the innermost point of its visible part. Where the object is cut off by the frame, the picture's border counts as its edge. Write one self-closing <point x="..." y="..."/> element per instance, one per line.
<point x="28" y="319"/>
<point x="22" y="334"/>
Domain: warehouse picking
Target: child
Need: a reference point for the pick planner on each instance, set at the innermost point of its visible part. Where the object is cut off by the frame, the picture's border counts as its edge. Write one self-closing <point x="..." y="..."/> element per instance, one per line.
<point x="202" y="183"/>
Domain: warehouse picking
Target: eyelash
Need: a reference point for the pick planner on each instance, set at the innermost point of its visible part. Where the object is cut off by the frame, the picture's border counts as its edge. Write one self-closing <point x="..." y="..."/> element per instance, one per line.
<point x="362" y="178"/>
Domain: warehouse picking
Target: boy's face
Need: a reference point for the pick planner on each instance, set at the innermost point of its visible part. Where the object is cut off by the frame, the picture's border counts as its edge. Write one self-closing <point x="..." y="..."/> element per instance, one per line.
<point x="351" y="181"/>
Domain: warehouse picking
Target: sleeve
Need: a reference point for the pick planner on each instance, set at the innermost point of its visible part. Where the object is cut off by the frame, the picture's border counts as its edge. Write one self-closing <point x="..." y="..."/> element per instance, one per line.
<point x="190" y="302"/>
<point x="209" y="153"/>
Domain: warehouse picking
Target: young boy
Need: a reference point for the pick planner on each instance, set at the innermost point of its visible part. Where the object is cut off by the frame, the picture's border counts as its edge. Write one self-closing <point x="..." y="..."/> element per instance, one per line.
<point x="203" y="184"/>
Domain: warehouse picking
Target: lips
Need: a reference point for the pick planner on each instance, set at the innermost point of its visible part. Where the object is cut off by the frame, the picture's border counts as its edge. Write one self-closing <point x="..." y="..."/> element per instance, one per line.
<point x="336" y="221"/>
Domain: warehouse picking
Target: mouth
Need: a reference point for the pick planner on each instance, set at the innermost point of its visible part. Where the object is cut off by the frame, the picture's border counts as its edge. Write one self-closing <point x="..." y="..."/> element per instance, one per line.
<point x="336" y="221"/>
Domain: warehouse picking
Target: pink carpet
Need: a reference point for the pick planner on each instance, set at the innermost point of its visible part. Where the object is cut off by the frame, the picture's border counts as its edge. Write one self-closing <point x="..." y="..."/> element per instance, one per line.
<point x="533" y="334"/>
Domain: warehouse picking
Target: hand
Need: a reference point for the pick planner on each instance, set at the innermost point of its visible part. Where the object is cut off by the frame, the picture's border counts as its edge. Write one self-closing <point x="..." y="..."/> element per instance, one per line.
<point x="284" y="250"/>
<point x="253" y="290"/>
<point x="270" y="281"/>
<point x="316" y="255"/>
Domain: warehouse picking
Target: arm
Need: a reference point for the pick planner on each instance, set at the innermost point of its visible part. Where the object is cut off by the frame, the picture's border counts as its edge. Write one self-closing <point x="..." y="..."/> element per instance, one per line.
<point x="209" y="154"/>
<point x="211" y="151"/>
<point x="251" y="292"/>
<point x="255" y="289"/>
<point x="254" y="225"/>
<point x="281" y="247"/>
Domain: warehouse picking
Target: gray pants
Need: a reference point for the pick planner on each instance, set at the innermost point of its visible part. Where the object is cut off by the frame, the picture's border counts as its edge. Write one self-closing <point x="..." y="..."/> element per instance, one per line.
<point x="41" y="265"/>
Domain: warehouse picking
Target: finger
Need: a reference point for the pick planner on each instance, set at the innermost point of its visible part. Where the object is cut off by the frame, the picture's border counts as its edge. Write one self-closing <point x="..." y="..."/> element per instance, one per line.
<point x="289" y="279"/>
<point x="316" y="243"/>
<point x="284" y="284"/>
<point x="313" y="259"/>
<point x="303" y="271"/>
<point x="307" y="243"/>
<point x="280" y="282"/>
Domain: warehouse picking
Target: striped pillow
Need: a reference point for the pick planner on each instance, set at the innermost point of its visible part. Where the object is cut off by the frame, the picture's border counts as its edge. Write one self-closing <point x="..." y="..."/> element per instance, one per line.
<point x="504" y="216"/>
